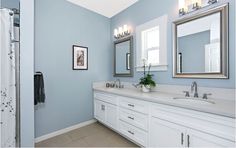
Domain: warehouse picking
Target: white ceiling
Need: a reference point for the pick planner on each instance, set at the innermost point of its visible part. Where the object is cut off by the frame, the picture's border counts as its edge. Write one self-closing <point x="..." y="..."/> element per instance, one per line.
<point x="108" y="8"/>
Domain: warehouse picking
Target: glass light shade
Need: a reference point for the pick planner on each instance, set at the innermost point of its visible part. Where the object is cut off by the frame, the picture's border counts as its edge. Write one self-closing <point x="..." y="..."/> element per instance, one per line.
<point x="199" y="2"/>
<point x="125" y="28"/>
<point x="120" y="30"/>
<point x="181" y="4"/>
<point x="115" y="32"/>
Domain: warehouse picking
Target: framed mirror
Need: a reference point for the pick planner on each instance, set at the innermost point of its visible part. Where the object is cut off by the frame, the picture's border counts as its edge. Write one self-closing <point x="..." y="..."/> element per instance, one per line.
<point x="123" y="57"/>
<point x="200" y="44"/>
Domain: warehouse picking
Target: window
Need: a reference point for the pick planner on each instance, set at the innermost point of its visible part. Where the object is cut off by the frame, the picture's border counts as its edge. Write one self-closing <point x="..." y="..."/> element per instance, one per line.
<point x="151" y="44"/>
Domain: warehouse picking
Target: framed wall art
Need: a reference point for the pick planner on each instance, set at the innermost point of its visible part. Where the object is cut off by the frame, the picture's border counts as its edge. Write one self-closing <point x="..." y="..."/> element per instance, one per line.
<point x="80" y="58"/>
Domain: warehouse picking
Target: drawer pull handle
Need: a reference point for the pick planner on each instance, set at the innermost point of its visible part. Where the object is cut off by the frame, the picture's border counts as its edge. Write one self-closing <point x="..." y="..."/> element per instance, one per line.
<point x="131" y="105"/>
<point x="188" y="137"/>
<point x="182" y="138"/>
<point x="131" y="132"/>
<point x="131" y="118"/>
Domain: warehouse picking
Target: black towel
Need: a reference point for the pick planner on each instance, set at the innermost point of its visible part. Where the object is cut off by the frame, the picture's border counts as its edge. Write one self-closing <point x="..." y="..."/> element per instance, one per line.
<point x="39" y="92"/>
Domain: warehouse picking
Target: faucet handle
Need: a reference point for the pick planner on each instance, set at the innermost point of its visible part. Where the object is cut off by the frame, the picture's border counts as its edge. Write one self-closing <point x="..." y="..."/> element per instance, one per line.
<point x="205" y="95"/>
<point x="121" y="86"/>
<point x="186" y="93"/>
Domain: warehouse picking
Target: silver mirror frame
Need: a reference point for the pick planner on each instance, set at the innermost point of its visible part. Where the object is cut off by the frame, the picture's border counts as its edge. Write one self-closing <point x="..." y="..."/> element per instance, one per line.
<point x="115" y="74"/>
<point x="224" y="74"/>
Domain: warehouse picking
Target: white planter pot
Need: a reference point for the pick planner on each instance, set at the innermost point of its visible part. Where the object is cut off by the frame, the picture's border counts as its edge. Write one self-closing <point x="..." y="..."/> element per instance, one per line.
<point x="146" y="89"/>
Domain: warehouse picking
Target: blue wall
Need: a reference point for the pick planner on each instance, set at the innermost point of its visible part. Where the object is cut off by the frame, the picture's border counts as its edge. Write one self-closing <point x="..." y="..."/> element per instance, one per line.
<point x="10" y="3"/>
<point x="146" y="10"/>
<point x="59" y="25"/>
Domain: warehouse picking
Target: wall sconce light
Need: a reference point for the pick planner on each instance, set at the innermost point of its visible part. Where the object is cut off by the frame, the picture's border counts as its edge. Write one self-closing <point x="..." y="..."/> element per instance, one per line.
<point x="212" y="1"/>
<point x="186" y="6"/>
<point x="182" y="8"/>
<point x="196" y="4"/>
<point x="121" y="32"/>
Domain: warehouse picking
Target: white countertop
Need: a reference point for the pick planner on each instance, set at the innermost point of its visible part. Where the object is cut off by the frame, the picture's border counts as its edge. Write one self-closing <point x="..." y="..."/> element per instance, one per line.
<point x="221" y="107"/>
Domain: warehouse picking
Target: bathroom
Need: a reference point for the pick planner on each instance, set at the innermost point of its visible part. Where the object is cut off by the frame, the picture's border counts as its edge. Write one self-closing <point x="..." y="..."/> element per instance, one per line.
<point x="55" y="33"/>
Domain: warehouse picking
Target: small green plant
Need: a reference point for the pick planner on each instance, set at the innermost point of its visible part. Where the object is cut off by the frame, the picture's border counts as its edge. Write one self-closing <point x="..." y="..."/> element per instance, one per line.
<point x="147" y="80"/>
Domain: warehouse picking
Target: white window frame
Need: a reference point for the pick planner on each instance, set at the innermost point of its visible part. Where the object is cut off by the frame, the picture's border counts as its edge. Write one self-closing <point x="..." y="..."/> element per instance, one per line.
<point x="162" y="23"/>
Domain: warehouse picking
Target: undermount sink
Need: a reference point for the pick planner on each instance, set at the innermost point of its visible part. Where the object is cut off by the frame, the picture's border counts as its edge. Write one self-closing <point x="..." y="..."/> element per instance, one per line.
<point x="195" y="100"/>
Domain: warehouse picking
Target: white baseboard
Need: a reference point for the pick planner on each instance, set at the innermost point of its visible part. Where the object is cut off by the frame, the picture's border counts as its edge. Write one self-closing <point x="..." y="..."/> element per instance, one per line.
<point x="65" y="130"/>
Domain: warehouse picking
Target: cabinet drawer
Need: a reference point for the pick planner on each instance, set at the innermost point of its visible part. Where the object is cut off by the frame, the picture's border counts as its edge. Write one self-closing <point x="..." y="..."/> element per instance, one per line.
<point x="135" y="105"/>
<point x="134" y="118"/>
<point x="112" y="99"/>
<point x="133" y="133"/>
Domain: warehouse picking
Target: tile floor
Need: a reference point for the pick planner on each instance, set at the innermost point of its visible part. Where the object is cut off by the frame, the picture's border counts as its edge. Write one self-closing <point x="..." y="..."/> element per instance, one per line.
<point x="93" y="135"/>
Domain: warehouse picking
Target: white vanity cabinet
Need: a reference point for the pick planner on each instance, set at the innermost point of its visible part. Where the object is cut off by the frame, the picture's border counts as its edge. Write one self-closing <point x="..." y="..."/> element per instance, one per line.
<point x="196" y="138"/>
<point x="177" y="127"/>
<point x="150" y="124"/>
<point x="167" y="134"/>
<point x="106" y="110"/>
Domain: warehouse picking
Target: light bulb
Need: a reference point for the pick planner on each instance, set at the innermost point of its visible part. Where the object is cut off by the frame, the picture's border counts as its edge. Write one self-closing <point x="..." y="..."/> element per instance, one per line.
<point x="125" y="28"/>
<point x="198" y="2"/>
<point x="115" y="32"/>
<point x="182" y="7"/>
<point x="181" y="4"/>
<point x="120" y="30"/>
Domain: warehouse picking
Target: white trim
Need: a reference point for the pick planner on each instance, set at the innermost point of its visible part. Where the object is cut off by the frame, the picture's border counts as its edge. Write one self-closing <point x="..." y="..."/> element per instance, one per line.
<point x="162" y="23"/>
<point x="65" y="130"/>
<point x="27" y="46"/>
<point x="153" y="68"/>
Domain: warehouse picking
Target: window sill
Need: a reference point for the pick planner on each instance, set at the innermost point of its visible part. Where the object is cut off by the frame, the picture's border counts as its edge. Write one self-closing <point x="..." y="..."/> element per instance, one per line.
<point x="153" y="68"/>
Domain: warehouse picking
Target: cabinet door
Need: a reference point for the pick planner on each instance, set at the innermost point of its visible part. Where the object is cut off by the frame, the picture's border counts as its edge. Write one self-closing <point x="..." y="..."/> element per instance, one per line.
<point x="165" y="134"/>
<point x="199" y="139"/>
<point x="111" y="115"/>
<point x="99" y="109"/>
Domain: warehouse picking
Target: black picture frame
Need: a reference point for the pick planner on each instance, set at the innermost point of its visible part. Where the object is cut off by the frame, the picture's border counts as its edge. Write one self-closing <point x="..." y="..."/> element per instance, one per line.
<point x="79" y="57"/>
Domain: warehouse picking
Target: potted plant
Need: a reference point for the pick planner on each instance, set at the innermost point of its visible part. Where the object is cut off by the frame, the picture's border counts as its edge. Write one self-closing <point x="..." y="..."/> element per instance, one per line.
<point x="146" y="82"/>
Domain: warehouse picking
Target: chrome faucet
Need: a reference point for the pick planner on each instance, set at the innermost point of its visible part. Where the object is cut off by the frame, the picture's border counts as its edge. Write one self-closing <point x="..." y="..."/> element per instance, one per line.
<point x="119" y="83"/>
<point x="194" y="87"/>
<point x="118" y="86"/>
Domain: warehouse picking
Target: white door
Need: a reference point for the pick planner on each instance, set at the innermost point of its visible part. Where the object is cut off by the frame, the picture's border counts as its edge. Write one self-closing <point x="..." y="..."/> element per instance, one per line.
<point x="99" y="109"/>
<point x="111" y="115"/>
<point x="199" y="139"/>
<point x="165" y="134"/>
